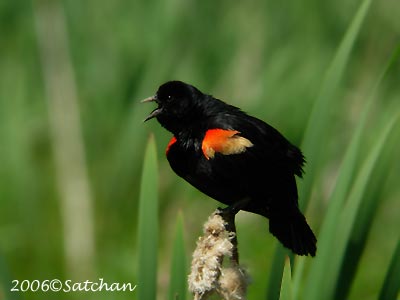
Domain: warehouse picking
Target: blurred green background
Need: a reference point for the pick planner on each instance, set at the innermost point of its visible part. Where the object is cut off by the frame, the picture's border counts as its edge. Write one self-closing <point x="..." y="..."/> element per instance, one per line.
<point x="72" y="138"/>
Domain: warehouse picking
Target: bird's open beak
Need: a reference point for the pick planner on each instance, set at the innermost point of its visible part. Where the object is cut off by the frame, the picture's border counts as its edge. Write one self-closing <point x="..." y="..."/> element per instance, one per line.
<point x="155" y="112"/>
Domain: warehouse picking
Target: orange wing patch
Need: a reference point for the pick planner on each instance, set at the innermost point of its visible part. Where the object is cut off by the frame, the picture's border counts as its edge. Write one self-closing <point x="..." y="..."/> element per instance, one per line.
<point x="223" y="141"/>
<point x="171" y="142"/>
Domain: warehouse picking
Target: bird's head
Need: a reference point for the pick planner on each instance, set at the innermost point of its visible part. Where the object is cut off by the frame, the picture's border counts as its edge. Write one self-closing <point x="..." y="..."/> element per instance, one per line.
<point x="178" y="105"/>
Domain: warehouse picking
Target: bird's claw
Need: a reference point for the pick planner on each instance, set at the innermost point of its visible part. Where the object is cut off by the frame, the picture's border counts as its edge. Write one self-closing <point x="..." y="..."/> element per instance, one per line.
<point x="230" y="211"/>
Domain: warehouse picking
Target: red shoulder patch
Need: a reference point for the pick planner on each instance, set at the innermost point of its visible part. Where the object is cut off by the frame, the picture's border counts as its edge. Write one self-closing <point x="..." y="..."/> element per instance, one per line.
<point x="171" y="142"/>
<point x="223" y="141"/>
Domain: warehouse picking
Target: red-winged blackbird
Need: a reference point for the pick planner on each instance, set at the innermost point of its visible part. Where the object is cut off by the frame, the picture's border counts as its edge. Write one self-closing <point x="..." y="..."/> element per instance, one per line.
<point x="234" y="158"/>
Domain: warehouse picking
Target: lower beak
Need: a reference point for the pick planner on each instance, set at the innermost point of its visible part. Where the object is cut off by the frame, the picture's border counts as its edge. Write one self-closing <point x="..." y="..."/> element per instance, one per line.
<point x="153" y="114"/>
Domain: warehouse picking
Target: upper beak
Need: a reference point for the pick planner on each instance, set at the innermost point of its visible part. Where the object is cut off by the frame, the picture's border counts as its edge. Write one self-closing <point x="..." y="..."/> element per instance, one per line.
<point x="155" y="112"/>
<point x="149" y="99"/>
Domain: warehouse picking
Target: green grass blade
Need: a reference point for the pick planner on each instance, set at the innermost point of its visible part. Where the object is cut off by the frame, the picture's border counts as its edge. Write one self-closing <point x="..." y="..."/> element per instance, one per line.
<point x="321" y="283"/>
<point x="286" y="287"/>
<point x="276" y="273"/>
<point x="391" y="285"/>
<point x="364" y="219"/>
<point x="319" y="118"/>
<point x="342" y="185"/>
<point x="345" y="178"/>
<point x="357" y="200"/>
<point x="178" y="274"/>
<point x="148" y="225"/>
<point x="325" y="102"/>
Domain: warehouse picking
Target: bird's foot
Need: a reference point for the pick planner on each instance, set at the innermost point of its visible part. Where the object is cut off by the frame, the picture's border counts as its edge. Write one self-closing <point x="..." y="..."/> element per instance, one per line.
<point x="230" y="211"/>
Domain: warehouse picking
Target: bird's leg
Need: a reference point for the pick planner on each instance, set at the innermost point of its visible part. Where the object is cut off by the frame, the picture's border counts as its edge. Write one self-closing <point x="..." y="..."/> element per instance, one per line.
<point x="228" y="214"/>
<point x="234" y="208"/>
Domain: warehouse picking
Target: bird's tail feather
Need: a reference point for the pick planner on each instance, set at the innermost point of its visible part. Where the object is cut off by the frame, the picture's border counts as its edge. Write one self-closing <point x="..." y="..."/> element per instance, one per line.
<point x="293" y="232"/>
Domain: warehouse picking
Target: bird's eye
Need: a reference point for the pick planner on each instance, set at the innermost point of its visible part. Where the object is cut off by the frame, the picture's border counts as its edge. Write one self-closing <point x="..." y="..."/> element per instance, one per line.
<point x="169" y="98"/>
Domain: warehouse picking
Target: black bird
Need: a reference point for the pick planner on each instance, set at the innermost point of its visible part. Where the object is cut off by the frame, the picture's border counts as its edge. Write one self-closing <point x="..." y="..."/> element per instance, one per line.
<point x="234" y="158"/>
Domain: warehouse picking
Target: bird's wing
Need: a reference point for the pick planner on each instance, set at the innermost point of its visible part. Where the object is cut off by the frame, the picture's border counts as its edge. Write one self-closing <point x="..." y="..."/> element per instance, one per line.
<point x="252" y="156"/>
<point x="254" y="140"/>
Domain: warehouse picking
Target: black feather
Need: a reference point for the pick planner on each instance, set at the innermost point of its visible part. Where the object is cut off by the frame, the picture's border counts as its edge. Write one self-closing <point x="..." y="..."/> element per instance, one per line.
<point x="263" y="169"/>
